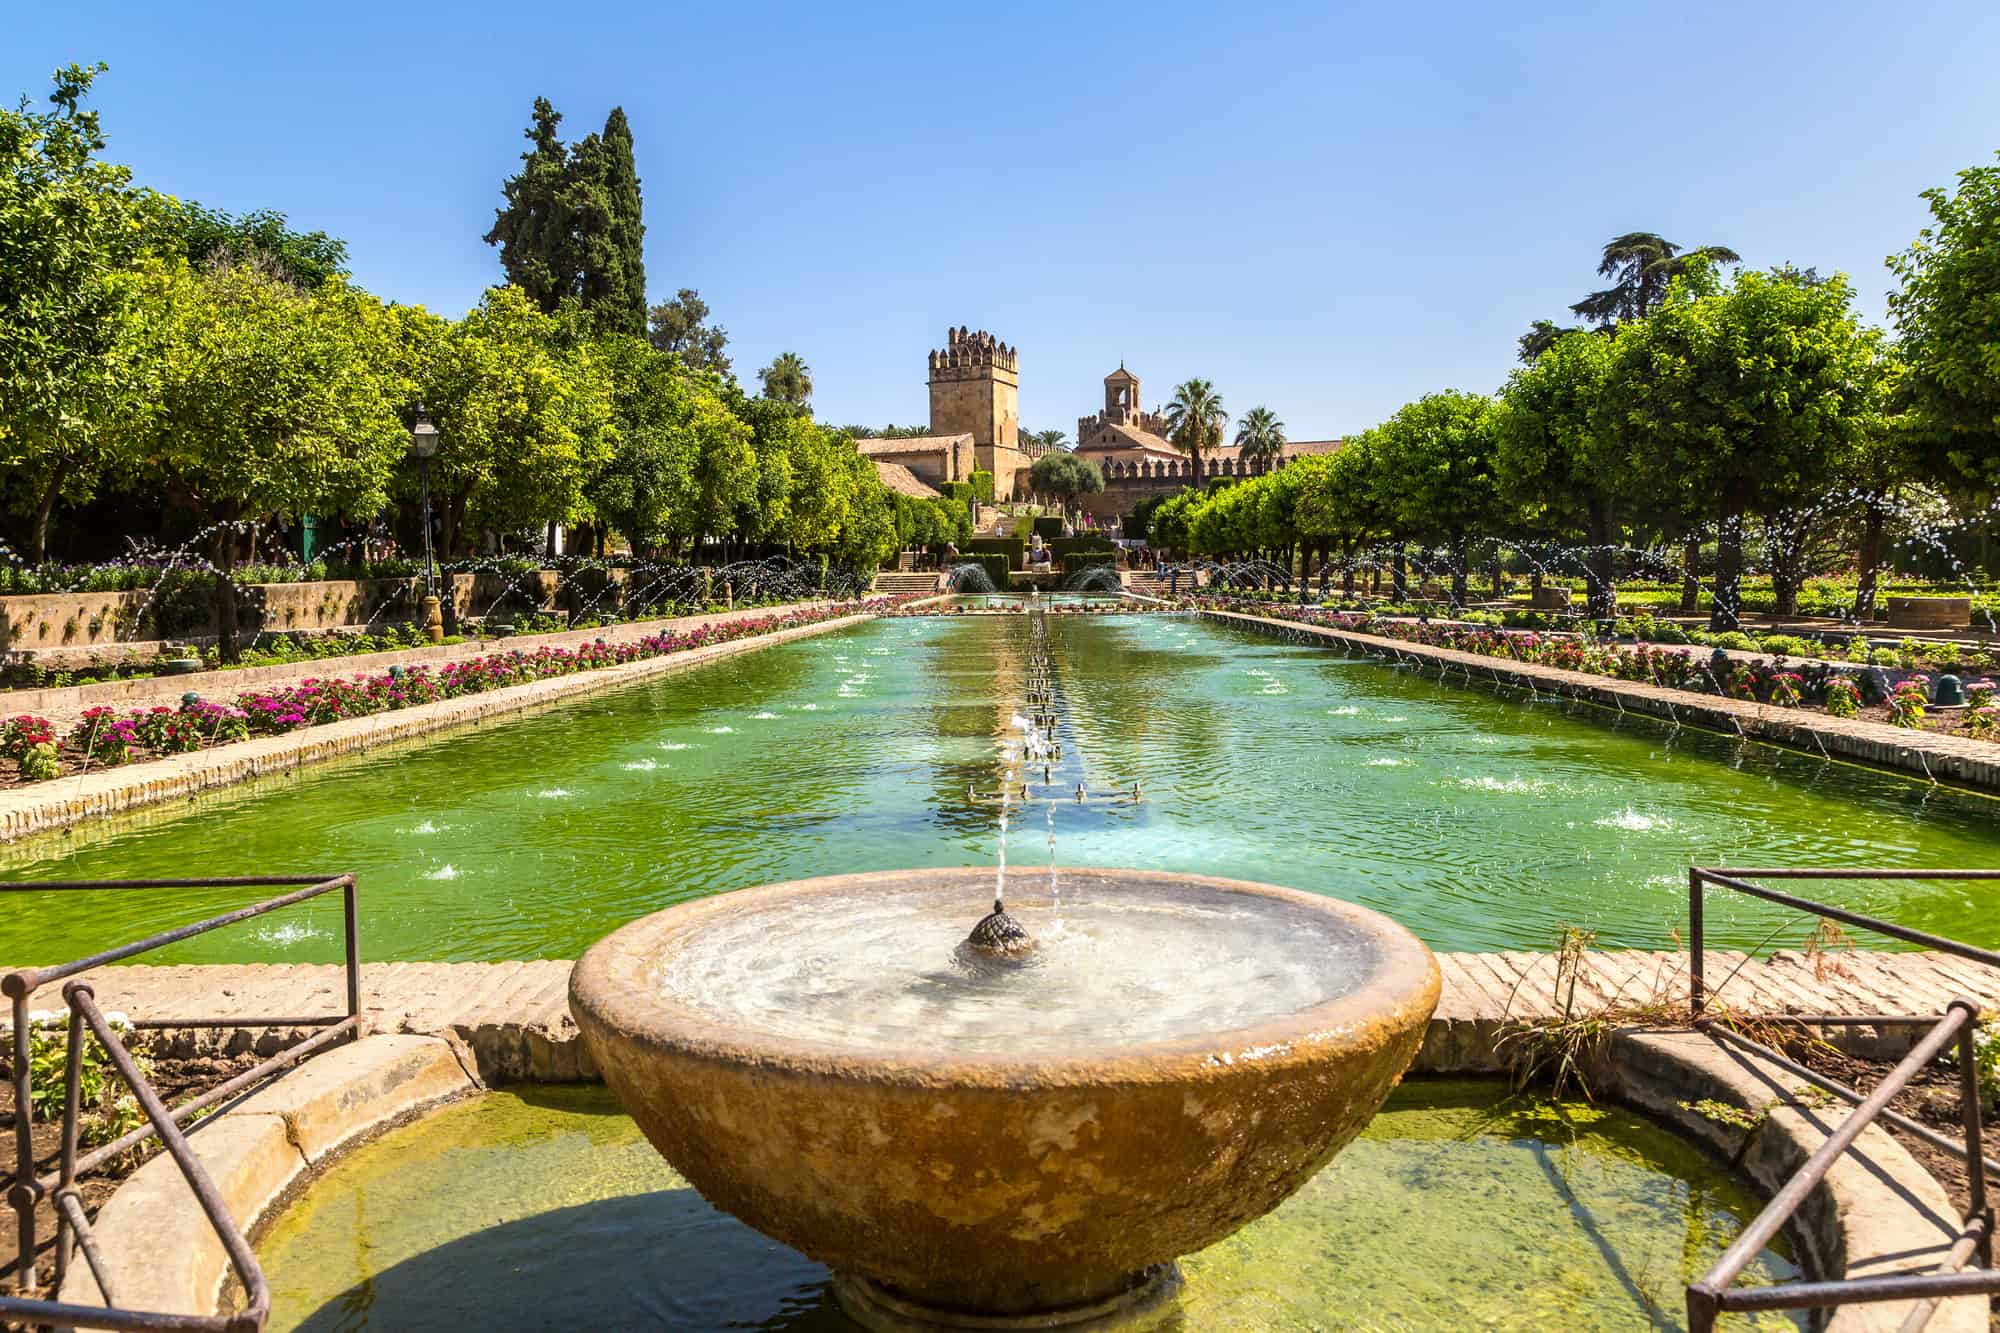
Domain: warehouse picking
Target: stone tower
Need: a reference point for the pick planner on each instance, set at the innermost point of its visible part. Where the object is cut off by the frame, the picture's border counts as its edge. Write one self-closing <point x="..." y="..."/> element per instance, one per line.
<point x="975" y="388"/>
<point x="1121" y="396"/>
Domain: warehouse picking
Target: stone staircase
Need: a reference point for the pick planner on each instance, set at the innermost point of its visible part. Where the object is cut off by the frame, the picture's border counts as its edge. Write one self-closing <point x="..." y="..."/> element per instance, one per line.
<point x="1145" y="583"/>
<point x="893" y="583"/>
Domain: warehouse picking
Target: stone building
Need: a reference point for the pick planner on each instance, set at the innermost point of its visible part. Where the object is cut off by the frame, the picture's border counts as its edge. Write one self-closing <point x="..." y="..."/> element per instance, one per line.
<point x="975" y="385"/>
<point x="1130" y="446"/>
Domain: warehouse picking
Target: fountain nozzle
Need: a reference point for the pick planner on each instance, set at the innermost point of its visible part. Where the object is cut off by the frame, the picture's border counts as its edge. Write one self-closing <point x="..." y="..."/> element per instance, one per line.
<point x="1000" y="935"/>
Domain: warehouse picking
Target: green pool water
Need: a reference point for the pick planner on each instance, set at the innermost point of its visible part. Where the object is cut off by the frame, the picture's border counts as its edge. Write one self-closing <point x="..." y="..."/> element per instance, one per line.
<point x="1478" y="822"/>
<point x="1458" y="1208"/>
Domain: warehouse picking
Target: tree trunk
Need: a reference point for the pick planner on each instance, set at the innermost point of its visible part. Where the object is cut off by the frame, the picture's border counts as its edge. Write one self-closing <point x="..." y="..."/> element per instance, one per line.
<point x="45" y="508"/>
<point x="228" y="642"/>
<point x="1461" y="559"/>
<point x="1399" y="583"/>
<point x="1691" y="574"/>
<point x="1728" y="571"/>
<point x="1603" y="596"/>
<point x="1872" y="532"/>
<point x="1347" y="572"/>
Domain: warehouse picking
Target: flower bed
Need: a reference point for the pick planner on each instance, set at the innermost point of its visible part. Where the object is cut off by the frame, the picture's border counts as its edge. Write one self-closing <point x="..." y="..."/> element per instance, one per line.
<point x="105" y="737"/>
<point x="1819" y="685"/>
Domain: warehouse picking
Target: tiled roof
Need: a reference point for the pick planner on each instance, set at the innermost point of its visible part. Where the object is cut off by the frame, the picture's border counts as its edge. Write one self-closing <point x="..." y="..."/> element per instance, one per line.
<point x="904" y="482"/>
<point x="912" y="444"/>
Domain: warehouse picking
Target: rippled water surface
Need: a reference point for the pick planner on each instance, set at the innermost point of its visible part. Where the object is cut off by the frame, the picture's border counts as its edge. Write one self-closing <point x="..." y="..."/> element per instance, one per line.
<point x="871" y="972"/>
<point x="1478" y="822"/>
<point x="1560" y="1216"/>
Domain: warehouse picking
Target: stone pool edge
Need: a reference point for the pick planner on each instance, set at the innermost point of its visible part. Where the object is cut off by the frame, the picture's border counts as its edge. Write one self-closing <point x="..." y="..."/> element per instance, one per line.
<point x="1974" y="765"/>
<point x="159" y="1250"/>
<point x="63" y="803"/>
<point x="1877" y="1210"/>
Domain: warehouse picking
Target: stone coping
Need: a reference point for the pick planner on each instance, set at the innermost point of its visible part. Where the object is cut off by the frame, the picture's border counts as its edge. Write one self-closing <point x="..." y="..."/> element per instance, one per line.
<point x="1958" y="760"/>
<point x="63" y="803"/>
<point x="1876" y="1211"/>
<point x="64" y="705"/>
<point x="161" y="1253"/>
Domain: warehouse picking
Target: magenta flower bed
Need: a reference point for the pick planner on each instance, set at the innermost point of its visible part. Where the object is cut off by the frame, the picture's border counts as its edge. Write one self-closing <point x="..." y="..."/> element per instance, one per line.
<point x="1680" y="669"/>
<point x="108" y="738"/>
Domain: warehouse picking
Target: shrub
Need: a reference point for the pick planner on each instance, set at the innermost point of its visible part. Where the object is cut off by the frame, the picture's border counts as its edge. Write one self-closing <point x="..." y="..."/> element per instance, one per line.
<point x="1843" y="696"/>
<point x="106" y="737"/>
<point x="1983" y="722"/>
<point x="1979" y="693"/>
<point x="31" y="743"/>
<point x="1075" y="560"/>
<point x="1787" y="645"/>
<point x="1734" y="639"/>
<point x="1785" y="689"/>
<point x="1906" y="705"/>
<point x="1884" y="657"/>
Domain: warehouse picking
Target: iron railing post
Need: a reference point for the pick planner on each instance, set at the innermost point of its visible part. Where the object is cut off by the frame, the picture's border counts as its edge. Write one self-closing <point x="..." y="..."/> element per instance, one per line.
<point x="21" y="1194"/>
<point x="72" y="1127"/>
<point x="1697" y="986"/>
<point x="1978" y="1210"/>
<point x="353" y="953"/>
<point x="1704" y="1307"/>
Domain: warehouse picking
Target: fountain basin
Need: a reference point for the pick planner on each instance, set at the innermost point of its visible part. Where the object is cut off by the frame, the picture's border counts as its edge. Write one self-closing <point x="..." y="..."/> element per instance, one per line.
<point x="1029" y="1145"/>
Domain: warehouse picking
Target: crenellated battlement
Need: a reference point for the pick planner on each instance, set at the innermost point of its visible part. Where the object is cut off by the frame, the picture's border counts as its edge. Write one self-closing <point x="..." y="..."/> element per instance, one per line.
<point x="966" y="350"/>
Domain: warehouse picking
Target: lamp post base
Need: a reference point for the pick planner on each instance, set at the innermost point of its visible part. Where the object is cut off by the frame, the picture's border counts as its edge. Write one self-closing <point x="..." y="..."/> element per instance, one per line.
<point x="433" y="620"/>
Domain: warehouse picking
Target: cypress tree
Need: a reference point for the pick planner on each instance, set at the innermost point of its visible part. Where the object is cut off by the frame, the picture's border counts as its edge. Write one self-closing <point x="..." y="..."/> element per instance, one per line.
<point x="625" y="298"/>
<point x="535" y="231"/>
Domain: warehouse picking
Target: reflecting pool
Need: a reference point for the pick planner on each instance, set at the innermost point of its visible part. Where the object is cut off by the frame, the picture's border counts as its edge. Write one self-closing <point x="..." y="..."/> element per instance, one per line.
<point x="1561" y="1215"/>
<point x="1478" y="822"/>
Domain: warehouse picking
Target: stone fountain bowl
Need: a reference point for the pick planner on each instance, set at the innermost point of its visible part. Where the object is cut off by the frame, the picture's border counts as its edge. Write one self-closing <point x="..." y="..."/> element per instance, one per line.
<point x="1002" y="1171"/>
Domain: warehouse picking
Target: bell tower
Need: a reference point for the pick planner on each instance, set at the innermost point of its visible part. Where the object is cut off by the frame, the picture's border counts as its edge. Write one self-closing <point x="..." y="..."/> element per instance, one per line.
<point x="1121" y="396"/>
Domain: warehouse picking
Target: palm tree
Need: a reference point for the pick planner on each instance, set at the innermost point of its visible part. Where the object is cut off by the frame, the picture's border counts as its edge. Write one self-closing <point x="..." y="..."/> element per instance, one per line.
<point x="1642" y="263"/>
<point x="788" y="379"/>
<point x="1260" y="436"/>
<point x="1195" y="421"/>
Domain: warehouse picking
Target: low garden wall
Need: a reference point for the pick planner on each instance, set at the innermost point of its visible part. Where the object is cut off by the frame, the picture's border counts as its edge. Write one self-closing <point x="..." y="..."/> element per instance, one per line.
<point x="71" y="624"/>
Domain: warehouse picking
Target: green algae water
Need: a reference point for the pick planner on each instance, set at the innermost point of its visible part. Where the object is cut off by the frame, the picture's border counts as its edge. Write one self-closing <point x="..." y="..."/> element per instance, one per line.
<point x="1478" y="822"/>
<point x="549" y="1209"/>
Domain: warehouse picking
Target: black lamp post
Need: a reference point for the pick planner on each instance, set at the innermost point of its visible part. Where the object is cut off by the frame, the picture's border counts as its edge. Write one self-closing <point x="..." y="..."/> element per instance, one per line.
<point x="424" y="446"/>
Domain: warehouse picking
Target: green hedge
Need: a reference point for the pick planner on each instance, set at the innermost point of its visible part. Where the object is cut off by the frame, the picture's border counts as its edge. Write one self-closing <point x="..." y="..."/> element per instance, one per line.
<point x="996" y="567"/>
<point x="1090" y="541"/>
<point x="1075" y="560"/>
<point x="1014" y="548"/>
<point x="1050" y="526"/>
<point x="982" y="487"/>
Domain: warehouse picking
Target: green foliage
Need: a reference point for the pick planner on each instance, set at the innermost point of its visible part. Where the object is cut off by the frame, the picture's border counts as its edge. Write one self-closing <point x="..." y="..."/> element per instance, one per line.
<point x="1013" y="548"/>
<point x="1949" y="318"/>
<point x="996" y="567"/>
<point x="263" y="397"/>
<point x="1195" y="420"/>
<point x="1048" y="527"/>
<point x="1260" y="436"/>
<point x="209" y="236"/>
<point x="571" y="228"/>
<point x="681" y="326"/>
<point x="67" y="234"/>
<point x="524" y="407"/>
<point x="788" y="379"/>
<point x="1075" y="560"/>
<point x="982" y="487"/>
<point x="1064" y="474"/>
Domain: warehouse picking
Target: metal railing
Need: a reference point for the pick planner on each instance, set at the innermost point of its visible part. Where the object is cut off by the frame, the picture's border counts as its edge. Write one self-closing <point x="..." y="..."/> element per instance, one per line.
<point x="30" y="1187"/>
<point x="1715" y="1292"/>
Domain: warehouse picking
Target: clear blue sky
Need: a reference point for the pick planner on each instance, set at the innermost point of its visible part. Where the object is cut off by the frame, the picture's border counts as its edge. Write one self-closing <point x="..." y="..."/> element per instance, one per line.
<point x="1325" y="208"/>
